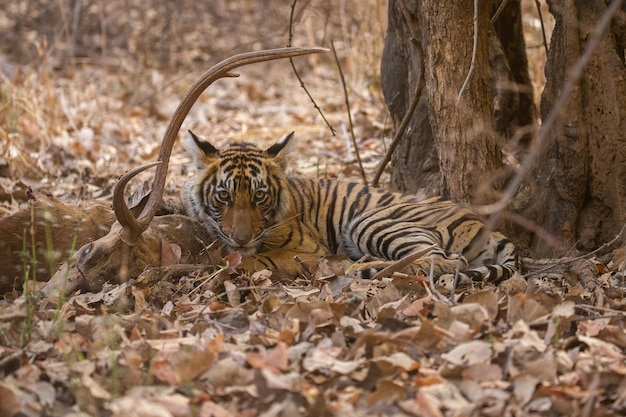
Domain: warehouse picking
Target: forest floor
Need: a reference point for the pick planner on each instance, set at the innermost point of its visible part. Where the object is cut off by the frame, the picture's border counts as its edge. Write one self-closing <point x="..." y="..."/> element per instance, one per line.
<point x="78" y="109"/>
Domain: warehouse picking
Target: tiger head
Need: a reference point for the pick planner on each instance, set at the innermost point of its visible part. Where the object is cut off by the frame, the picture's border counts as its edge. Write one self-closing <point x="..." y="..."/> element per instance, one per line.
<point x="239" y="191"/>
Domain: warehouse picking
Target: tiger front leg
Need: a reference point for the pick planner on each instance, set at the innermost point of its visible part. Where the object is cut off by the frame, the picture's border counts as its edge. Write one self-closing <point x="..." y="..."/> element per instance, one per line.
<point x="286" y="262"/>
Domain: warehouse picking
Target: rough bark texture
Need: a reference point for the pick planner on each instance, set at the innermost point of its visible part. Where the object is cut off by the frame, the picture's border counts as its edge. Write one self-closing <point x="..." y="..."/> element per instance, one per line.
<point x="415" y="165"/>
<point x="519" y="124"/>
<point x="463" y="132"/>
<point x="462" y="149"/>
<point x="577" y="188"/>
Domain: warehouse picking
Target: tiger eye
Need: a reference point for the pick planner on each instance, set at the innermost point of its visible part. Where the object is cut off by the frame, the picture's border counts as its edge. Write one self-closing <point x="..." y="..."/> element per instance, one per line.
<point x="260" y="196"/>
<point x="223" y="196"/>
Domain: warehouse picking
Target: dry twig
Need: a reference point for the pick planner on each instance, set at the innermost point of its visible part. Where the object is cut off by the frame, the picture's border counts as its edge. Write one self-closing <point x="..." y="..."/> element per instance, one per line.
<point x="401" y="263"/>
<point x="474" y="48"/>
<point x="297" y="74"/>
<point x="543" y="27"/>
<point x="498" y="12"/>
<point x="345" y="95"/>
<point x="563" y="261"/>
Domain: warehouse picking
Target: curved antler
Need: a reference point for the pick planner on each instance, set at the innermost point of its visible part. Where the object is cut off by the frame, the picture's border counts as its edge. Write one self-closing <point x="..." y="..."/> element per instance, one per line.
<point x="132" y="227"/>
<point x="122" y="212"/>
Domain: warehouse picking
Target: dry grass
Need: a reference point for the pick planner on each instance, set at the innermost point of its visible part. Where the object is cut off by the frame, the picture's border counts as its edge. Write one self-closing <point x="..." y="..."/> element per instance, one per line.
<point x="87" y="92"/>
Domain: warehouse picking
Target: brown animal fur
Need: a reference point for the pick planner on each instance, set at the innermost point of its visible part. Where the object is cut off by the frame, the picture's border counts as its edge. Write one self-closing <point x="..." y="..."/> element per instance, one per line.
<point x="51" y="227"/>
<point x="170" y="239"/>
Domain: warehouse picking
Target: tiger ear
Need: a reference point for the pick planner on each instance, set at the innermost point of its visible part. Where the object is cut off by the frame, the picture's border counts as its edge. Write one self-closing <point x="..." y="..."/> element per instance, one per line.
<point x="280" y="150"/>
<point x="202" y="151"/>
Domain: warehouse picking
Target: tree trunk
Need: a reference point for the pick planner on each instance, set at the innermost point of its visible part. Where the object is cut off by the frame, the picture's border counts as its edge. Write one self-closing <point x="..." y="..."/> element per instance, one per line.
<point x="577" y="187"/>
<point x="518" y="123"/>
<point x="463" y="128"/>
<point x="451" y="147"/>
<point x="415" y="165"/>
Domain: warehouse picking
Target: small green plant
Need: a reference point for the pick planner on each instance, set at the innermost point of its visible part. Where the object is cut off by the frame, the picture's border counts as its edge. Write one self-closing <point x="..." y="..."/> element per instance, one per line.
<point x="30" y="277"/>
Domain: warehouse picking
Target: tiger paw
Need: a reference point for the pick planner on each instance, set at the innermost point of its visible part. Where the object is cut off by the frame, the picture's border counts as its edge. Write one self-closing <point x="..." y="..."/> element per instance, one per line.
<point x="366" y="270"/>
<point x="452" y="281"/>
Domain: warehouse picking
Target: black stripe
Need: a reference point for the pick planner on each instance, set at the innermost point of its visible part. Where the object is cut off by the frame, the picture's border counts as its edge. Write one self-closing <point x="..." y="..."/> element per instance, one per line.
<point x="331" y="235"/>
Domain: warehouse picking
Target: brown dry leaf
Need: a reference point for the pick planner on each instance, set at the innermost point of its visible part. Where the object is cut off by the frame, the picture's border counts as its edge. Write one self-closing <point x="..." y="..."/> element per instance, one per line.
<point x="10" y="402"/>
<point x="397" y="360"/>
<point x="325" y="358"/>
<point x="522" y="307"/>
<point x="140" y="407"/>
<point x="181" y="363"/>
<point x="486" y="299"/>
<point x="233" y="259"/>
<point x="618" y="261"/>
<point x="524" y="387"/>
<point x="170" y="253"/>
<point x="211" y="409"/>
<point x="276" y="359"/>
<point x="482" y="372"/>
<point x="418" y="307"/>
<point x="469" y="353"/>
<point x="387" y="392"/>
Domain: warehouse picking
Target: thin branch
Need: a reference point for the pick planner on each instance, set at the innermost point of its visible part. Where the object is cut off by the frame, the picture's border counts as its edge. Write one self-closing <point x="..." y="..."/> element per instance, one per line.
<point x="498" y="12"/>
<point x="542" y="138"/>
<point x="588" y="255"/>
<point x="401" y="263"/>
<point x="542" y="323"/>
<point x="433" y="288"/>
<point x="399" y="134"/>
<point x="536" y="229"/>
<point x="345" y="95"/>
<point x="297" y="74"/>
<point x="419" y="86"/>
<point x="543" y="28"/>
<point x="474" y="49"/>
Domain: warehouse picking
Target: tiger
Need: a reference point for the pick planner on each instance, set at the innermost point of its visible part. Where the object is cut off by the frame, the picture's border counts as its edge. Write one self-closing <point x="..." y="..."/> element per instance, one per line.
<point x="243" y="196"/>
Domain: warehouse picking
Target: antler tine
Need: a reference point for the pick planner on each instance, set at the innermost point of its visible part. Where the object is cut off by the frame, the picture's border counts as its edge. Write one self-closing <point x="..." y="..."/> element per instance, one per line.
<point x="133" y="228"/>
<point x="130" y="229"/>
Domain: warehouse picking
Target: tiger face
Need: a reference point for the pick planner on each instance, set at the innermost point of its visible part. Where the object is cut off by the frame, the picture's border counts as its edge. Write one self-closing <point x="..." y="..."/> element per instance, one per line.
<point x="239" y="192"/>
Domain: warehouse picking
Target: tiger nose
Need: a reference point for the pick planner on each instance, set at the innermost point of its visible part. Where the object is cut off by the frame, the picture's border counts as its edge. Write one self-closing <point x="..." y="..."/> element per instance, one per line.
<point x="242" y="238"/>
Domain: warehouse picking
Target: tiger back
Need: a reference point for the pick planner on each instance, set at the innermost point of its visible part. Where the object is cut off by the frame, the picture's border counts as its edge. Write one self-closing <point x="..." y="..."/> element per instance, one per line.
<point x="243" y="196"/>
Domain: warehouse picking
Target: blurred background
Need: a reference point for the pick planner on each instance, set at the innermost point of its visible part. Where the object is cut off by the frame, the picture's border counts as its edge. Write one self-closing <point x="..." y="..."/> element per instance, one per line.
<point x="87" y="86"/>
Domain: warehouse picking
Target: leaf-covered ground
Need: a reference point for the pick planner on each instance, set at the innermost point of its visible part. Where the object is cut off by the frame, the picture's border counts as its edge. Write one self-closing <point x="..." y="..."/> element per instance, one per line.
<point x="211" y="342"/>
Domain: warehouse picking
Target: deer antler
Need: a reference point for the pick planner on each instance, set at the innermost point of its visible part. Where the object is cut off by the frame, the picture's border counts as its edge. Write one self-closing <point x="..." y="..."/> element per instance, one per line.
<point x="122" y="212"/>
<point x="132" y="227"/>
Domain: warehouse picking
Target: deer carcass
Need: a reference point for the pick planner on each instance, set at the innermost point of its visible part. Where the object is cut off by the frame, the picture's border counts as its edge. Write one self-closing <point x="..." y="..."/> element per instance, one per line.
<point x="169" y="239"/>
<point x="35" y="239"/>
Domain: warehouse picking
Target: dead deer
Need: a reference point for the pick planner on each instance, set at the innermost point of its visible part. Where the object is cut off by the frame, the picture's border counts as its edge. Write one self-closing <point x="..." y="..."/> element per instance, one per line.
<point x="35" y="239"/>
<point x="169" y="239"/>
<point x="135" y="243"/>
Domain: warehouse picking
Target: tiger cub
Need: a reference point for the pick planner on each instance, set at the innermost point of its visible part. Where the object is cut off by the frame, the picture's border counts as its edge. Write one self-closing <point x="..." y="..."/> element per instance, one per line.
<point x="244" y="198"/>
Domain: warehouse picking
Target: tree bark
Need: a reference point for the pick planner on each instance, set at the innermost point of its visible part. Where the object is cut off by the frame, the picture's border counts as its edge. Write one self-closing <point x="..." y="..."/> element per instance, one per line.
<point x="519" y="124"/>
<point x="415" y="165"/>
<point x="463" y="128"/>
<point x="577" y="187"/>
<point x="451" y="147"/>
